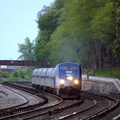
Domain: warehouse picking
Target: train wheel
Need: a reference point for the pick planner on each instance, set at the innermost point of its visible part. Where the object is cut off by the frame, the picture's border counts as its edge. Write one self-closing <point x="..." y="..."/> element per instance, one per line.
<point x="54" y="91"/>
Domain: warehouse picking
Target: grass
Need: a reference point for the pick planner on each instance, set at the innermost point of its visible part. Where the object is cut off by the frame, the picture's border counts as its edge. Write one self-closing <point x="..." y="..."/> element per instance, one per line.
<point x="9" y="80"/>
<point x="110" y="73"/>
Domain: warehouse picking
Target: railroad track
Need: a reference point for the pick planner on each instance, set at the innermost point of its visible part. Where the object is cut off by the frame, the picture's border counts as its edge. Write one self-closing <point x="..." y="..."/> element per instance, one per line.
<point x="4" y="111"/>
<point x="93" y="106"/>
<point x="104" y="104"/>
<point x="115" y="114"/>
<point x="50" y="108"/>
<point x="12" y="111"/>
<point x="24" y="111"/>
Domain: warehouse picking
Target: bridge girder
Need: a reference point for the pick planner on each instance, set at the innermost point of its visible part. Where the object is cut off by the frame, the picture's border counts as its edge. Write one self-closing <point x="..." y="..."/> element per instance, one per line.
<point x="23" y="63"/>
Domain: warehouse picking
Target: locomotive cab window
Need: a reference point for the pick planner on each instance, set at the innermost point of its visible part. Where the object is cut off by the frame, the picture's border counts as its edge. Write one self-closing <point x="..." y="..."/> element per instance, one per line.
<point x="74" y="68"/>
<point x="63" y="68"/>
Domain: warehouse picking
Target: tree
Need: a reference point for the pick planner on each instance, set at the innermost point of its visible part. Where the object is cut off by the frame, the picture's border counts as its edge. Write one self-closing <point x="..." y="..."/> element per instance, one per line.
<point x="71" y="41"/>
<point x="90" y="26"/>
<point x="104" y="27"/>
<point x="47" y="23"/>
<point x="86" y="32"/>
<point x="27" y="50"/>
<point x="116" y="43"/>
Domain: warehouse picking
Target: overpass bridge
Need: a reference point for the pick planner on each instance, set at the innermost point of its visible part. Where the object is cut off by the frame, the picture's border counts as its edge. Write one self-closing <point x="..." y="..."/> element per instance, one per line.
<point x="24" y="63"/>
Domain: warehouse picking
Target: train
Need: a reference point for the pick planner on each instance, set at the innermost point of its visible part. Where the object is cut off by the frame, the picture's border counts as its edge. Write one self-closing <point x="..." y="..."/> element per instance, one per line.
<point x="64" y="79"/>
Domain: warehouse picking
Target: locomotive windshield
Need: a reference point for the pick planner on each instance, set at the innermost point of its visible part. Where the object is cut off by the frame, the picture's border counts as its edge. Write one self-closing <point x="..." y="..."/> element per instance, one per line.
<point x="74" y="68"/>
<point x="69" y="68"/>
<point x="63" y="68"/>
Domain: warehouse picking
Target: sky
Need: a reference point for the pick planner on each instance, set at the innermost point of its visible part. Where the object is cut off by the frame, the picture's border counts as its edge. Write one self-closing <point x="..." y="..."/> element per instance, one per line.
<point x="17" y="21"/>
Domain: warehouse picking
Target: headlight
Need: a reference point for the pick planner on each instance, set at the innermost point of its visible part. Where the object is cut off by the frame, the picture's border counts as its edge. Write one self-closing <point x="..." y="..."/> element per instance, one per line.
<point x="62" y="81"/>
<point x="76" y="82"/>
<point x="69" y="78"/>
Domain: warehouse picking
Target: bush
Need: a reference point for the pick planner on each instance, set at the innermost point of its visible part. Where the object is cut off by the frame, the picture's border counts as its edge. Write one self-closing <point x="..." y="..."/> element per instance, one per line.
<point x="111" y="73"/>
<point x="17" y="75"/>
<point x="4" y="74"/>
<point x="21" y="75"/>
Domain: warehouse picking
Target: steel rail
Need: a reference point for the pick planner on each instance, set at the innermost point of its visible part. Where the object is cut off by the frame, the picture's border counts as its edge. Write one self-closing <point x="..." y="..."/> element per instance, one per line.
<point x="105" y="110"/>
<point x="9" y="113"/>
<point x="75" y="113"/>
<point x="57" y="110"/>
<point x="16" y="106"/>
<point x="96" y="115"/>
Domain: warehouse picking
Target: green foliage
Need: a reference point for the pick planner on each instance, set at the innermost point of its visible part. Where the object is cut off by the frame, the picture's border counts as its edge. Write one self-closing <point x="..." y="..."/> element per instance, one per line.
<point x="67" y="42"/>
<point x="21" y="75"/>
<point x="86" y="32"/>
<point x="90" y="28"/>
<point x="17" y="75"/>
<point x="104" y="24"/>
<point x="116" y="48"/>
<point x="27" y="50"/>
<point x="59" y="4"/>
<point x="47" y="23"/>
<point x="4" y="74"/>
<point x="116" y="43"/>
<point x="110" y="73"/>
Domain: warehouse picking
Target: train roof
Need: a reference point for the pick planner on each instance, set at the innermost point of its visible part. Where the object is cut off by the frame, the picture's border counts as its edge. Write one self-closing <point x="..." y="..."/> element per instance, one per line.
<point x="67" y="63"/>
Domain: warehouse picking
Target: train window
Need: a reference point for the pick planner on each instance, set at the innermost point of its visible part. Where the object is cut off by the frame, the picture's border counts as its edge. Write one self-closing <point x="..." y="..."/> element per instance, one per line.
<point x="74" y="68"/>
<point x="63" y="68"/>
<point x="33" y="76"/>
<point x="37" y="76"/>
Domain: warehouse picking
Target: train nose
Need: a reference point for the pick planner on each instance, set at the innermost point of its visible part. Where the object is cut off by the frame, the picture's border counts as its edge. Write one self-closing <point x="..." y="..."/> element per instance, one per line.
<point x="69" y="90"/>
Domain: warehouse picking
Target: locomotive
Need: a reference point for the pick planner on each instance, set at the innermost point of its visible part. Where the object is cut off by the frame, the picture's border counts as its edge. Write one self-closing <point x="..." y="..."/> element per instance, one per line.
<point x="63" y="80"/>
